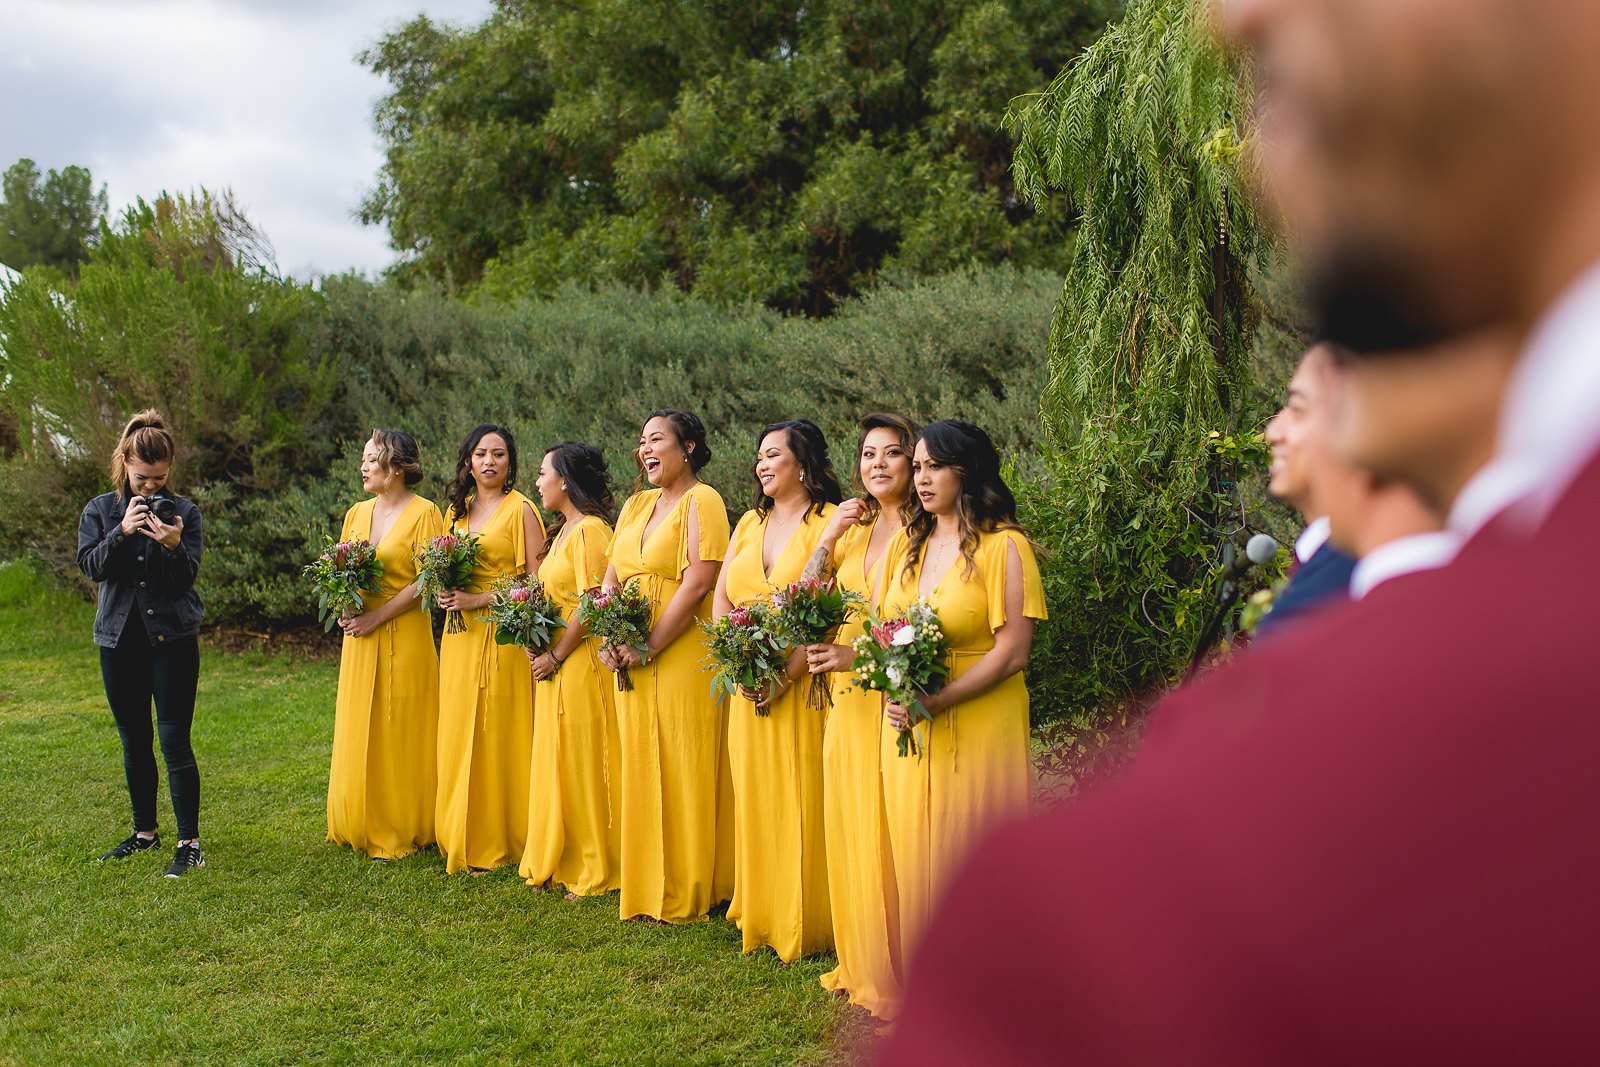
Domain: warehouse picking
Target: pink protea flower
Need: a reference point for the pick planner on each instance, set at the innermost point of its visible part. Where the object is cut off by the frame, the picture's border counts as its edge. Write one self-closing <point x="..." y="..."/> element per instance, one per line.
<point x="739" y="616"/>
<point x="521" y="594"/>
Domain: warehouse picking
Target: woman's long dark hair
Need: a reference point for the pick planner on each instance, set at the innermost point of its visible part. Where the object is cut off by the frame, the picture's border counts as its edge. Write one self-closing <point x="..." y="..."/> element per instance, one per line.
<point x="583" y="468"/>
<point x="690" y="432"/>
<point x="882" y="420"/>
<point x="462" y="486"/>
<point x="985" y="503"/>
<point x="810" y="450"/>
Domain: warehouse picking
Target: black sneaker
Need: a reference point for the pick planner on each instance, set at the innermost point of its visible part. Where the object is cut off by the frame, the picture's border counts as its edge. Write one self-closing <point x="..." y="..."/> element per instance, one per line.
<point x="186" y="859"/>
<point x="132" y="845"/>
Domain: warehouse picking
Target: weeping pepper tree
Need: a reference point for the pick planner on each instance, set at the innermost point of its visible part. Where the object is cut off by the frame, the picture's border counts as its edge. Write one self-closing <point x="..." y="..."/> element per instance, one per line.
<point x="1148" y="344"/>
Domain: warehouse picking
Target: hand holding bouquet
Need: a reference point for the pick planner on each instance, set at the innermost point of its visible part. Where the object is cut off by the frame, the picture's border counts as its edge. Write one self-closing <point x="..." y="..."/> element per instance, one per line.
<point x="443" y="564"/>
<point x="746" y="651"/>
<point x="807" y="612"/>
<point x="620" y="618"/>
<point x="341" y="575"/>
<point x="523" y="614"/>
<point x="904" y="658"/>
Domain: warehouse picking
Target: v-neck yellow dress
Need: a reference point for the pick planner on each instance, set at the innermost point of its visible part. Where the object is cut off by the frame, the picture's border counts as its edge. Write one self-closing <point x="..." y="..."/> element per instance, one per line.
<point x="677" y="803"/>
<point x="780" y="878"/>
<point x="486" y="713"/>
<point x="974" y="771"/>
<point x="381" y="779"/>
<point x="861" y="890"/>
<point x="575" y="783"/>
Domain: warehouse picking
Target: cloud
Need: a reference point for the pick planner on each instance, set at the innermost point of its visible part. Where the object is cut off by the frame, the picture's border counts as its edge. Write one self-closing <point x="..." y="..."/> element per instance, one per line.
<point x="265" y="98"/>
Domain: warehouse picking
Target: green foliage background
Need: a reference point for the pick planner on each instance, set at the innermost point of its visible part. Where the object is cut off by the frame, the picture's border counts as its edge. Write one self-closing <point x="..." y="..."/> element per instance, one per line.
<point x="48" y="218"/>
<point x="793" y="154"/>
<point x="1150" y="407"/>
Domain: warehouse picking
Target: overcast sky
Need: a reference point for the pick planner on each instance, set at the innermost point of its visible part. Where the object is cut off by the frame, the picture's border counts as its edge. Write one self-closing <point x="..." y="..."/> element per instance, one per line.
<point x="263" y="96"/>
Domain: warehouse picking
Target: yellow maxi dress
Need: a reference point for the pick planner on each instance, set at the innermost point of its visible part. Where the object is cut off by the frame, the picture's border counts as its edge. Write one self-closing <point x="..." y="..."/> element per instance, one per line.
<point x="861" y="889"/>
<point x="381" y="779"/>
<point x="974" y="771"/>
<point x="485" y="714"/>
<point x="780" y="895"/>
<point x="575" y="784"/>
<point x="677" y="803"/>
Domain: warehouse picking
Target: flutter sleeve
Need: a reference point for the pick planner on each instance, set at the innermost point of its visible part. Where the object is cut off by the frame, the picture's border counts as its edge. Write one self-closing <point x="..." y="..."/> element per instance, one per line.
<point x="591" y="553"/>
<point x="995" y="564"/>
<point x="521" y="550"/>
<point x="712" y="518"/>
<point x="430" y="526"/>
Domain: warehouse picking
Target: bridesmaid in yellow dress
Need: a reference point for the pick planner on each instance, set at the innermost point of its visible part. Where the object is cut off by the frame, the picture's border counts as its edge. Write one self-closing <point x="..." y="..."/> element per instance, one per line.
<point x="575" y="794"/>
<point x="780" y="895"/>
<point x="382" y="777"/>
<point x="677" y="822"/>
<point x="485" y="689"/>
<point x="963" y="551"/>
<point x="861" y="889"/>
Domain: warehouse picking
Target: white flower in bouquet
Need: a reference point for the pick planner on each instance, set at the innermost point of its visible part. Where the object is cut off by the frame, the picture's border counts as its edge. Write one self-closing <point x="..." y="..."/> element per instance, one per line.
<point x="904" y="636"/>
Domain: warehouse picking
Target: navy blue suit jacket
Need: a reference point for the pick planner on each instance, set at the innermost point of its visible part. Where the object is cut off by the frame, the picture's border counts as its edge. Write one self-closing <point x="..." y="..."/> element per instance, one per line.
<point x="1321" y="582"/>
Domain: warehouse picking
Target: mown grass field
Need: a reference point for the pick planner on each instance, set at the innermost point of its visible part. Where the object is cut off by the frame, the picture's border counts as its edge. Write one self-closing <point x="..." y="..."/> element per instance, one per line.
<point x="286" y="949"/>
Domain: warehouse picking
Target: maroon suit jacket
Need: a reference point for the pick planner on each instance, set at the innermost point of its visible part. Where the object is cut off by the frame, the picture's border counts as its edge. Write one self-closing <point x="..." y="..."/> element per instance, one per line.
<point x="1372" y="841"/>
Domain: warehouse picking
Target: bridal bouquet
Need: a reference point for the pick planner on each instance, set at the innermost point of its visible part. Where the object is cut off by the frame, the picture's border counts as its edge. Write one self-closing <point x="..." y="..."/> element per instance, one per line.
<point x="745" y="650"/>
<point x="904" y="658"/>
<point x="341" y="575"/>
<point x="523" y="613"/>
<point x="443" y="564"/>
<point x="807" y="612"/>
<point x="620" y="618"/>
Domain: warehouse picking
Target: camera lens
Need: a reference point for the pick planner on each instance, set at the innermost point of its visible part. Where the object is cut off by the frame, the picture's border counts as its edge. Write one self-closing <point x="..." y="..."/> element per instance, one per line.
<point x="164" y="508"/>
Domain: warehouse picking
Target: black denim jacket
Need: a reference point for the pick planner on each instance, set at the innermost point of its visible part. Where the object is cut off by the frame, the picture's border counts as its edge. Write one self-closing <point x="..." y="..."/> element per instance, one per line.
<point x="137" y="574"/>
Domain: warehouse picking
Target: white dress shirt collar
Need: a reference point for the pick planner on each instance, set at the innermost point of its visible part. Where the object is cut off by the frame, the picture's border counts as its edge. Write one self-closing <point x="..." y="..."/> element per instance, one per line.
<point x="1403" y="555"/>
<point x="1549" y="420"/>
<point x="1312" y="538"/>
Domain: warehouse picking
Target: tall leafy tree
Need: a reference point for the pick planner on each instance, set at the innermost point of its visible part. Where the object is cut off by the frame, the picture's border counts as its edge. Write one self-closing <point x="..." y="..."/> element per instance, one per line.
<point x="50" y="219"/>
<point x="1149" y="342"/>
<point x="793" y="153"/>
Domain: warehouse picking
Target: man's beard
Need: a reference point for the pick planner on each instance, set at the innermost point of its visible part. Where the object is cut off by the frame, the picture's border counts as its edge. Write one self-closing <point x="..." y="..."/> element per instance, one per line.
<point x="1364" y="298"/>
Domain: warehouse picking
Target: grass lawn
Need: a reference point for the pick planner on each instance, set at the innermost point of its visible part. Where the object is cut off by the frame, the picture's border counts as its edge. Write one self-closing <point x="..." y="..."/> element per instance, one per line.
<point x="286" y="949"/>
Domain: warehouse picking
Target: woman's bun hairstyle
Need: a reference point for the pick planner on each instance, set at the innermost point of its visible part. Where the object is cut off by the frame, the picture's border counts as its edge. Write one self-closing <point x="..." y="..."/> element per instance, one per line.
<point x="397" y="452"/>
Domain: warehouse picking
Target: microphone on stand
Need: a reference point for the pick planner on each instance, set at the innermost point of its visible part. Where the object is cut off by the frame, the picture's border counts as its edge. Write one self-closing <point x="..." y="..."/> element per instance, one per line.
<point x="1260" y="549"/>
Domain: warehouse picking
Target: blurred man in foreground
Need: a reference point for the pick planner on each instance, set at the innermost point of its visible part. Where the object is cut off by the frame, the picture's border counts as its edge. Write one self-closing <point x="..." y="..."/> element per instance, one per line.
<point x="1369" y="841"/>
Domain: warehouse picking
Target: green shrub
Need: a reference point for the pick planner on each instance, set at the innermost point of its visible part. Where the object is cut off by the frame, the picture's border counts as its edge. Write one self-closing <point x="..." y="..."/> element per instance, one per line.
<point x="586" y="365"/>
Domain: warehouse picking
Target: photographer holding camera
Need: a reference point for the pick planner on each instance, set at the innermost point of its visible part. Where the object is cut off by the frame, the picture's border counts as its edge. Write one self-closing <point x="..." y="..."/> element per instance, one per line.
<point x="142" y="544"/>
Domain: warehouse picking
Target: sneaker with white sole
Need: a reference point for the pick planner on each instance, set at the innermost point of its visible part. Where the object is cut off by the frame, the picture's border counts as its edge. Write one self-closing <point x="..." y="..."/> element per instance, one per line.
<point x="186" y="859"/>
<point x="132" y="845"/>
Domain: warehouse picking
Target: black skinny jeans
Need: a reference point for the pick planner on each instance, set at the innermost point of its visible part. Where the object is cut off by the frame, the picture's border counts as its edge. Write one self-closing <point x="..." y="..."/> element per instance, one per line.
<point x="134" y="672"/>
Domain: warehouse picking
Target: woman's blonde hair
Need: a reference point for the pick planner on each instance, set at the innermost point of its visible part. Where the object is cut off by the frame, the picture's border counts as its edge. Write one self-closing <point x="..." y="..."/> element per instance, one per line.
<point x="146" y="439"/>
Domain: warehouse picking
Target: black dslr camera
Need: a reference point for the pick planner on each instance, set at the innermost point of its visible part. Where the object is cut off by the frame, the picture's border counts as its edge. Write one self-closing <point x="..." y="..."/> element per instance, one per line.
<point x="163" y="507"/>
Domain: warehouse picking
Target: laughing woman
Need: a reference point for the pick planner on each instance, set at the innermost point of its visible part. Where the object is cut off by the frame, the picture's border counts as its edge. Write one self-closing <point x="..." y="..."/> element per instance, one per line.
<point x="676" y="804"/>
<point x="780" y="896"/>
<point x="383" y="775"/>
<point x="485" y="689"/>
<point x="964" y="553"/>
<point x="574" y="803"/>
<point x="861" y="885"/>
